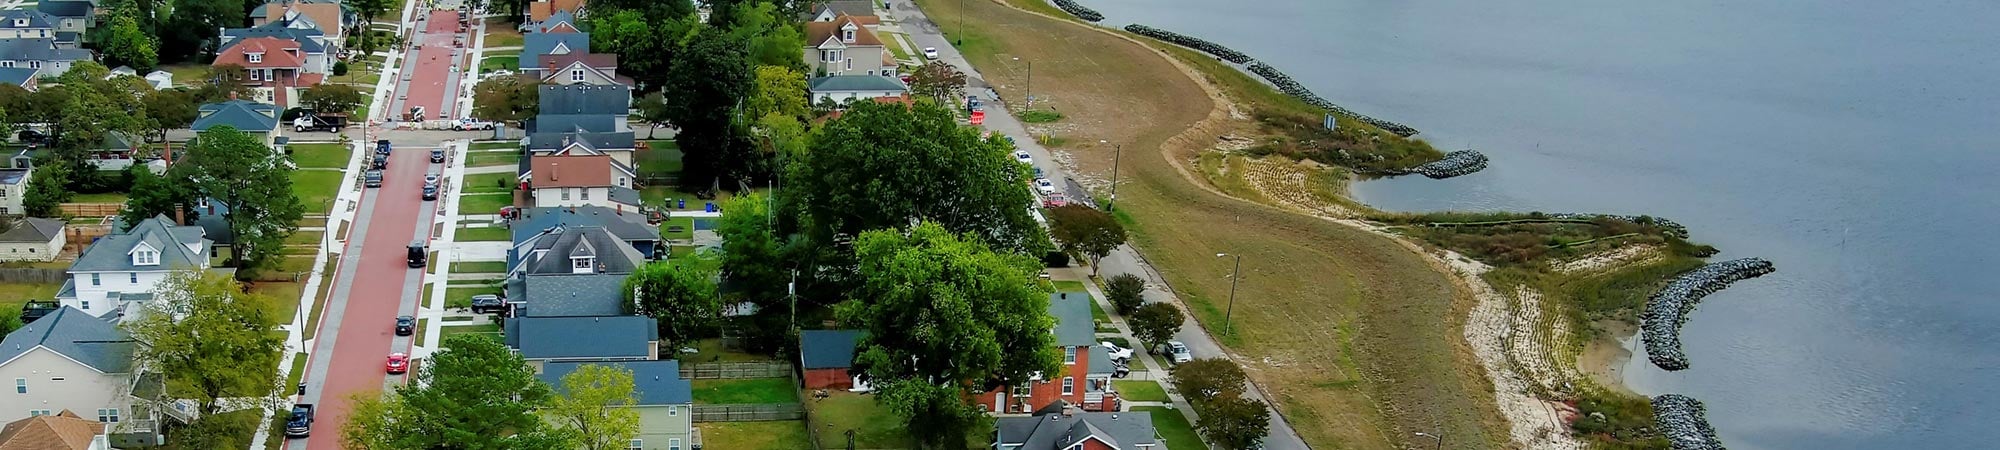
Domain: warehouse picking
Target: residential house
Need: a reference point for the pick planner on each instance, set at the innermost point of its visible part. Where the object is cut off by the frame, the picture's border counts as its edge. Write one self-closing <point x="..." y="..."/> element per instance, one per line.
<point x="61" y="431"/>
<point x="40" y="54"/>
<point x="579" y="180"/>
<point x="33" y="239"/>
<point x="665" y="402"/>
<point x="590" y="69"/>
<point x="317" y="49"/>
<point x="827" y="11"/>
<point x="570" y="100"/>
<point x="116" y="151"/>
<point x="260" y="120"/>
<point x="845" y="46"/>
<point x="627" y="226"/>
<point x="160" y="79"/>
<point x="70" y="360"/>
<point x="30" y="24"/>
<point x="536" y="45"/>
<point x="324" y="16"/>
<point x="544" y="340"/>
<point x="827" y="357"/>
<point x="13" y="188"/>
<point x="569" y="271"/>
<point x="557" y="22"/>
<point x="541" y="10"/>
<point x="123" y="268"/>
<point x="20" y="76"/>
<point x="275" y="67"/>
<point x="845" y="88"/>
<point x="73" y="19"/>
<point x="1085" y="377"/>
<point x="620" y="145"/>
<point x="1078" y="431"/>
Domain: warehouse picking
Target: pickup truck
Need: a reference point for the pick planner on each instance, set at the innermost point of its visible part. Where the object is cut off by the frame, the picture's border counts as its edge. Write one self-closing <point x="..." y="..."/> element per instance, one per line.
<point x="319" y="122"/>
<point x="300" y="424"/>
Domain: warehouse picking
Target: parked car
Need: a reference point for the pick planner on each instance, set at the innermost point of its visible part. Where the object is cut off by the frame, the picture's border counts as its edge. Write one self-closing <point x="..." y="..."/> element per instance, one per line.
<point x="431" y="179"/>
<point x="1179" y="352"/>
<point x="1117" y="353"/>
<point x="398" y="363"/>
<point x="300" y="423"/>
<point x="930" y="52"/>
<point x="437" y="155"/>
<point x="487" y="303"/>
<point x="379" y="163"/>
<point x="1047" y="187"/>
<point x="418" y="257"/>
<point x="1024" y="157"/>
<point x="382" y="146"/>
<point x="430" y="192"/>
<point x="372" y="178"/>
<point x="405" y="325"/>
<point x="473" y="124"/>
<point x="32" y="137"/>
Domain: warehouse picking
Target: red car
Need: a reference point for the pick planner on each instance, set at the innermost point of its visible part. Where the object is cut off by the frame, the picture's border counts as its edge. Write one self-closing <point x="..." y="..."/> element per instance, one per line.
<point x="399" y="363"/>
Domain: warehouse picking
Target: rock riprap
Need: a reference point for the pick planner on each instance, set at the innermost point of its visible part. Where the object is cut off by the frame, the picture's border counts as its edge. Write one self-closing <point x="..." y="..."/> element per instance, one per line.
<point x="1079" y="11"/>
<point x="1199" y="44"/>
<point x="1684" y="422"/>
<point x="1667" y="310"/>
<point x="1292" y="88"/>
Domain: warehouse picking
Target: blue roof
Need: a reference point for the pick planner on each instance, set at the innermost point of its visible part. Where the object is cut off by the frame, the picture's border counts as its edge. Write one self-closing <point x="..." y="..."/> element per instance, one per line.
<point x="568" y="295"/>
<point x="245" y="115"/>
<point x="584" y="338"/>
<point x="13" y="176"/>
<point x="828" y="349"/>
<point x="573" y="123"/>
<point x="534" y="45"/>
<point x="18" y="76"/>
<point x="66" y="8"/>
<point x="112" y="253"/>
<point x="1074" y="327"/>
<point x="36" y="19"/>
<point x="630" y="226"/>
<point x="39" y="49"/>
<point x="94" y="341"/>
<point x="654" y="383"/>
<point x="558" y="99"/>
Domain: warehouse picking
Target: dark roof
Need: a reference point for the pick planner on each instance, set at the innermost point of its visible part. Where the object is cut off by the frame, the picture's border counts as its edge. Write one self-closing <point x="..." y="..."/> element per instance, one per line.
<point x="1100" y="361"/>
<point x="856" y="83"/>
<point x="18" y="76"/>
<point x="630" y="226"/>
<point x="33" y="229"/>
<point x="580" y="295"/>
<point x="14" y="176"/>
<point x="606" y="337"/>
<point x="304" y="36"/>
<point x="554" y="140"/>
<point x="853" y="7"/>
<point x="585" y="99"/>
<point x="66" y="8"/>
<point x="39" y="49"/>
<point x="36" y="19"/>
<point x="1058" y="431"/>
<point x="827" y="349"/>
<point x="245" y="115"/>
<point x="112" y="253"/>
<point x="625" y="195"/>
<point x="570" y="123"/>
<point x="1074" y="326"/>
<point x="534" y="45"/>
<point x="654" y="383"/>
<point x="549" y="251"/>
<point x="212" y="222"/>
<point x="93" y="341"/>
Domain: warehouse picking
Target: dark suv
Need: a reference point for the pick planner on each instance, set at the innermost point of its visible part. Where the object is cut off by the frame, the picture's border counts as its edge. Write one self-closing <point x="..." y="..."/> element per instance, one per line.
<point x="417" y="255"/>
<point x="430" y="192"/>
<point x="382" y="147"/>
<point x="405" y="325"/>
<point x="487" y="303"/>
<point x="437" y="155"/>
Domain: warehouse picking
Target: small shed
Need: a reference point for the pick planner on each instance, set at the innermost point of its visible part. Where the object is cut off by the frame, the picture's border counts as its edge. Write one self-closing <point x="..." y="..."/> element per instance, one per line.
<point x="827" y="356"/>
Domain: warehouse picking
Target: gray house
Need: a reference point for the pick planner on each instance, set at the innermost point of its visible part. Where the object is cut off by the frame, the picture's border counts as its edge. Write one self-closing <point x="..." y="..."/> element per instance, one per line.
<point x="33" y="239"/>
<point x="543" y="340"/>
<point x="845" y="88"/>
<point x="536" y="45"/>
<point x="569" y="271"/>
<point x="567" y="295"/>
<point x="1093" y="431"/>
<point x="73" y="18"/>
<point x="29" y="23"/>
<point x="70" y="360"/>
<point x="40" y="54"/>
<point x="122" y="268"/>
<point x="627" y="226"/>
<point x="665" y="402"/>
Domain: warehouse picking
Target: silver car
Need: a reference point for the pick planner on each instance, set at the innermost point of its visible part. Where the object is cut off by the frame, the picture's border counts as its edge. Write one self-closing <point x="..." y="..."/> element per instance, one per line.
<point x="1179" y="351"/>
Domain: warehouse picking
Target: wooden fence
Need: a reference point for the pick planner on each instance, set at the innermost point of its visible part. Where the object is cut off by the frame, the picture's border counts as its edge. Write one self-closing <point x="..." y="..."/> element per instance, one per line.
<point x="749" y="412"/>
<point x="33" y="275"/>
<point x="735" y="370"/>
<point x="77" y="237"/>
<point x="91" y="209"/>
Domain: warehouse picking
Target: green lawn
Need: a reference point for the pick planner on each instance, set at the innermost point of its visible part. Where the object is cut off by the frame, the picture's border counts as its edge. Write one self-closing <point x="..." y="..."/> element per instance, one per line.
<point x="492" y="158"/>
<point x="284" y="300"/>
<point x="495" y="145"/>
<point x="489" y="182"/>
<point x="186" y="74"/>
<point x="1140" y="391"/>
<point x="507" y="38"/>
<point x="328" y="156"/>
<point x="895" y="46"/>
<point x="751" y="390"/>
<point x="686" y="225"/>
<point x="486" y="234"/>
<point x="660" y="158"/>
<point x="305" y="237"/>
<point x="106" y="197"/>
<point x="298" y="369"/>
<point x="712" y="350"/>
<point x="485" y="329"/>
<point x="479" y="267"/>
<point x="1173" y="428"/>
<point x="510" y="60"/>
<point x="316" y="188"/>
<point x="460" y="295"/>
<point x="779" y="435"/>
<point x="850" y="411"/>
<point x="484" y="203"/>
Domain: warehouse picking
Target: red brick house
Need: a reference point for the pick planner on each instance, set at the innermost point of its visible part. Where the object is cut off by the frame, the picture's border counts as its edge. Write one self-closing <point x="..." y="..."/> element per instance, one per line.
<point x="270" y="62"/>
<point x="826" y="356"/>
<point x="1085" y="380"/>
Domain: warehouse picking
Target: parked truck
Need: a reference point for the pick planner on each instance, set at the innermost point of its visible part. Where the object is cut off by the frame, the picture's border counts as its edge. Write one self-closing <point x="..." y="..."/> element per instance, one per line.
<point x="300" y="424"/>
<point x="319" y="122"/>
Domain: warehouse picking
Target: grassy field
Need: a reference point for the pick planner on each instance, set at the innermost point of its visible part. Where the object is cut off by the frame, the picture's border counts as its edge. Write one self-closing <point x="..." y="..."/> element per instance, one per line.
<point x="186" y="73"/>
<point x="750" y="390"/>
<point x="326" y="156"/>
<point x="1140" y="391"/>
<point x="712" y="350"/>
<point x="489" y="182"/>
<point x="459" y="294"/>
<point x="484" y="234"/>
<point x="487" y="329"/>
<point x="284" y="300"/>
<point x="491" y="158"/>
<point x="316" y="188"/>
<point x="783" y="435"/>
<point x="1174" y="428"/>
<point x="479" y="267"/>
<point x="506" y="59"/>
<point x="102" y="197"/>
<point x="501" y="35"/>
<point x="1342" y="326"/>
<point x="494" y="145"/>
<point x="874" y="426"/>
<point x="13" y="295"/>
<point x="484" y="203"/>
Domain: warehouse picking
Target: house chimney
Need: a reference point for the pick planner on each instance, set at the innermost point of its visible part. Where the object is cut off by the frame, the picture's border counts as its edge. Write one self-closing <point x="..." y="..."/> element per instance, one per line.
<point x="232" y="95"/>
<point x="554" y="169"/>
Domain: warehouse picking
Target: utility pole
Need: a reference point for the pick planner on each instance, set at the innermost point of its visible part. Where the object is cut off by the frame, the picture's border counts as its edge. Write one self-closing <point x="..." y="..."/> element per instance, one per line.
<point x="961" y="23"/>
<point x="1235" y="276"/>
<point x="1117" y="152"/>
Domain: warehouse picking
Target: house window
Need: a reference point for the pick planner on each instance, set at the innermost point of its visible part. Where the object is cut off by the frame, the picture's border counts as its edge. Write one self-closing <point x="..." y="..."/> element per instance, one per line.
<point x="833" y="56"/>
<point x="1069" y="385"/>
<point x="255" y="57"/>
<point x="585" y="193"/>
<point x="95" y="280"/>
<point x="1022" y="391"/>
<point x="109" y="415"/>
<point x="20" y="385"/>
<point x="850" y="65"/>
<point x="580" y="265"/>
<point x="145" y="258"/>
<point x="674" y="444"/>
<point x="20" y="22"/>
<point x="576" y="75"/>
<point x="1069" y="355"/>
<point x="34" y="64"/>
<point x="134" y="277"/>
<point x="673" y="410"/>
<point x="37" y="412"/>
<point x="636" y="444"/>
<point x="255" y="75"/>
<point x="847" y="35"/>
<point x="6" y="64"/>
<point x="86" y="305"/>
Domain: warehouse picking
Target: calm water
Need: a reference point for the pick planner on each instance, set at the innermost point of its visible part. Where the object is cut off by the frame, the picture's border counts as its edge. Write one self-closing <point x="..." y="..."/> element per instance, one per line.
<point x="1852" y="143"/>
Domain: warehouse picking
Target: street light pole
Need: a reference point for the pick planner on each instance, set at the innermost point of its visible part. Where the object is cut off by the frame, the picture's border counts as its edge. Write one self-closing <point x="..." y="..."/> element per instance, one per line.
<point x="1235" y="276"/>
<point x="1117" y="152"/>
<point x="1438" y="437"/>
<point x="961" y="23"/>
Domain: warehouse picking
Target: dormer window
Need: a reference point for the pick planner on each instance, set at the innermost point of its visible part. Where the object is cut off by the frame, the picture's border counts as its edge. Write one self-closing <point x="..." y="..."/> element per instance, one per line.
<point x="254" y="57"/>
<point x="20" y="22"/>
<point x="145" y="257"/>
<point x="576" y="75"/>
<point x="582" y="264"/>
<point x="847" y="36"/>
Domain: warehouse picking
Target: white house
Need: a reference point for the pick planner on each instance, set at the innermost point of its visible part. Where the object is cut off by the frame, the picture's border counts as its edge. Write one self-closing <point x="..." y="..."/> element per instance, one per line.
<point x="14" y="187"/>
<point x="844" y="88"/>
<point x="123" y="268"/>
<point x="70" y="360"/>
<point x="582" y="180"/>
<point x="33" y="239"/>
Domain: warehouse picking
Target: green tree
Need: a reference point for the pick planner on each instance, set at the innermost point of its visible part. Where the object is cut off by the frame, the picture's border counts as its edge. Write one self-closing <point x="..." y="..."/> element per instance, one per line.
<point x="680" y="294"/>
<point x="194" y="25"/>
<point x="652" y="111"/>
<point x="705" y="87"/>
<point x="646" y="38"/>
<point x="213" y="431"/>
<point x="1126" y="292"/>
<point x="1234" y="422"/>
<point x="772" y="39"/>
<point x="233" y="168"/>
<point x="936" y="415"/>
<point x="596" y="406"/>
<point x="332" y="98"/>
<point x="47" y="191"/>
<point x="169" y="109"/>
<point x="937" y="80"/>
<point x="777" y="90"/>
<point x="222" y="82"/>
<point x="153" y="195"/>
<point x="209" y="339"/>
<point x="10" y="320"/>
<point x="1156" y="323"/>
<point x="1085" y="231"/>
<point x="751" y="253"/>
<point x="372" y="422"/>
<point x="505" y="99"/>
<point x="883" y="166"/>
<point x="476" y="394"/>
<point x="370" y="9"/>
<point x="1207" y="379"/>
<point x="126" y="44"/>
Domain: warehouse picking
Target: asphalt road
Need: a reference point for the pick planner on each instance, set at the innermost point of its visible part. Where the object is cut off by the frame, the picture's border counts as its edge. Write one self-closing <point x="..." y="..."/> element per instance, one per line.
<point x="925" y="33"/>
<point x="430" y="80"/>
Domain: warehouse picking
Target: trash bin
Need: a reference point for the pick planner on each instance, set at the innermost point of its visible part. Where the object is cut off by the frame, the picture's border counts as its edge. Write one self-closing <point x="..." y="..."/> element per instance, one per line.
<point x="683" y="204"/>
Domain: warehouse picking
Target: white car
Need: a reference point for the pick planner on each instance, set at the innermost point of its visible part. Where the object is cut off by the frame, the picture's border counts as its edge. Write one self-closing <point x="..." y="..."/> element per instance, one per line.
<point x="1024" y="157"/>
<point x="930" y="52"/>
<point x="1179" y="351"/>
<point x="1117" y="353"/>
<point x="1047" y="187"/>
<point x="497" y="74"/>
<point x="474" y="124"/>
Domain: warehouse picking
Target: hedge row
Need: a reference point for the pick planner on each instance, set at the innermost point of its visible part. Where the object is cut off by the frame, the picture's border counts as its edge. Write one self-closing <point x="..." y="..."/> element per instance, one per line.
<point x="1199" y="44"/>
<point x="1079" y="10"/>
<point x="1298" y="91"/>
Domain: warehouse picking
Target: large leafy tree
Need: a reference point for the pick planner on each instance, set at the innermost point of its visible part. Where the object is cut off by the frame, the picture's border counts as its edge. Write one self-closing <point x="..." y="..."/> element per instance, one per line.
<point x="1208" y="379"/>
<point x="777" y="90"/>
<point x="46" y="191"/>
<point x="505" y="99"/>
<point x="652" y="111"/>
<point x="680" y="293"/>
<point x="944" y="313"/>
<point x="647" y="43"/>
<point x="1234" y="422"/>
<point x="751" y="251"/>
<point x="1086" y="231"/>
<point x="705" y="87"/>
<point x="1126" y="292"/>
<point x="884" y="166"/>
<point x="154" y="195"/>
<point x="169" y="109"/>
<point x="193" y="26"/>
<point x="332" y="98"/>
<point x="220" y="83"/>
<point x="237" y="170"/>
<point x="937" y="80"/>
<point x="476" y="394"/>
<point x="772" y="38"/>
<point x="1156" y="323"/>
<point x="936" y="415"/>
<point x="370" y="9"/>
<point x="595" y="405"/>
<point x="209" y="339"/>
<point x="125" y="43"/>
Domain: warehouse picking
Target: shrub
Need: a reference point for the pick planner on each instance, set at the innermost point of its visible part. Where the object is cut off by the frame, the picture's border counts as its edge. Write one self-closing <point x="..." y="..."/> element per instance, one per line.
<point x="1040" y="116"/>
<point x="1125" y="292"/>
<point x="339" y="68"/>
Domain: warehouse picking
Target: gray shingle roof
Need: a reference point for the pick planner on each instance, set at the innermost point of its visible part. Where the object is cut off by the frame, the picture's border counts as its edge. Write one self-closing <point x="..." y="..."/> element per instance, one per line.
<point x="14" y="176"/>
<point x="548" y="252"/>
<point x="849" y="7"/>
<point x="570" y="123"/>
<point x="304" y="36"/>
<point x="39" y="49"/>
<point x="1123" y="430"/>
<point x="828" y="349"/>
<point x="66" y="8"/>
<point x="18" y="76"/>
<point x="534" y="45"/>
<point x="857" y="83"/>
<point x="569" y="295"/>
<point x="33" y="229"/>
<point x="1074" y="326"/>
<point x="625" y="195"/>
<point x="606" y="141"/>
<point x="630" y="226"/>
<point x="36" y="19"/>
<point x="1100" y="361"/>
<point x="587" y="338"/>
<point x="112" y="253"/>
<point x="585" y="99"/>
<point x="245" y="115"/>
<point x="655" y="383"/>
<point x="90" y="340"/>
